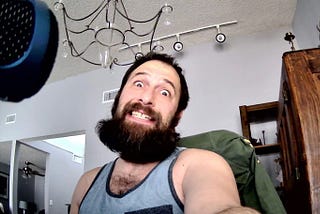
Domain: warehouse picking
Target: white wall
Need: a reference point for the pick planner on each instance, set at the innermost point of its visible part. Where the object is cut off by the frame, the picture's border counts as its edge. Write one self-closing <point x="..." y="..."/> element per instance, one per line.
<point x="306" y="18"/>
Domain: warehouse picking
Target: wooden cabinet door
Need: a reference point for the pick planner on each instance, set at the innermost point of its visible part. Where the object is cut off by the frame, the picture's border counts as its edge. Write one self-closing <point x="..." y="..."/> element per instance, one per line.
<point x="299" y="129"/>
<point x="296" y="193"/>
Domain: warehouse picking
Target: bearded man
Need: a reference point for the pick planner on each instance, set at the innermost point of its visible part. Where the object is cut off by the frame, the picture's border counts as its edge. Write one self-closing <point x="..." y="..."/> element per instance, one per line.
<point x="151" y="174"/>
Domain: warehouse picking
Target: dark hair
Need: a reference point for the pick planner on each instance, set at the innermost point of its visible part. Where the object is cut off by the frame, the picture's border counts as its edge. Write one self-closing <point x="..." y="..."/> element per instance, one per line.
<point x="184" y="95"/>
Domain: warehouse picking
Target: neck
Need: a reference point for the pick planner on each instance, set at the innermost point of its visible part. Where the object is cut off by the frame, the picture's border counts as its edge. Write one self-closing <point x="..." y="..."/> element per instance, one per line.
<point x="130" y="166"/>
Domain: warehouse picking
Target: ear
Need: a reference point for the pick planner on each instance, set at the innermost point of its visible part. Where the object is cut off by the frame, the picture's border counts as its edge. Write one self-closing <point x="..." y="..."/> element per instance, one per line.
<point x="177" y="118"/>
<point x="179" y="115"/>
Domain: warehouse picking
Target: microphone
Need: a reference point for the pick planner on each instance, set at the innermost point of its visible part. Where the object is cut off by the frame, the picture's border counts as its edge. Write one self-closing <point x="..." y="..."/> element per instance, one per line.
<point x="28" y="47"/>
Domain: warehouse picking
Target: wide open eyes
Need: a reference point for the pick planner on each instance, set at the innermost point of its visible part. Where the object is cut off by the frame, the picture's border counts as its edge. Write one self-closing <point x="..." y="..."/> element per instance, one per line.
<point x="138" y="84"/>
<point x="165" y="92"/>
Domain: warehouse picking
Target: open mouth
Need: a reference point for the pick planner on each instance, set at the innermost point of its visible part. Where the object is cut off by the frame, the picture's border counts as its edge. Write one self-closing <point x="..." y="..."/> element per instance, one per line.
<point x="140" y="115"/>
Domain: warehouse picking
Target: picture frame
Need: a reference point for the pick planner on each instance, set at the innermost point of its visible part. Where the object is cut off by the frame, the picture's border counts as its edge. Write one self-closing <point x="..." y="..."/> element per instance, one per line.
<point x="4" y="185"/>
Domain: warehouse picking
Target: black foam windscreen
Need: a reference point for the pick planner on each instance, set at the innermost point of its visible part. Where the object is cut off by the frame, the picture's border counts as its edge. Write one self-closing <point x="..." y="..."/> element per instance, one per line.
<point x="28" y="47"/>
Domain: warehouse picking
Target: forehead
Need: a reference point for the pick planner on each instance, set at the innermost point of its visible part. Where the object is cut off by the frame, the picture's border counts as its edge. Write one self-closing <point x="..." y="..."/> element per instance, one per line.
<point x="158" y="69"/>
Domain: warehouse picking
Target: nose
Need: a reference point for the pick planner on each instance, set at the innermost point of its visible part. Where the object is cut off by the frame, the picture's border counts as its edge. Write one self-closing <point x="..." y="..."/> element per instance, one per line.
<point x="147" y="97"/>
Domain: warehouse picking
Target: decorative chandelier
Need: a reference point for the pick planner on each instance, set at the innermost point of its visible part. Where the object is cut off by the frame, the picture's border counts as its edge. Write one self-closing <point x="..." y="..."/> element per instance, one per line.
<point x="107" y="38"/>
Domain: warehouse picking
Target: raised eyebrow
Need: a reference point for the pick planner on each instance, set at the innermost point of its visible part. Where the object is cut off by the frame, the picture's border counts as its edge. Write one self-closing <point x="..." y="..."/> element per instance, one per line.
<point x="170" y="83"/>
<point x="138" y="74"/>
<point x="165" y="80"/>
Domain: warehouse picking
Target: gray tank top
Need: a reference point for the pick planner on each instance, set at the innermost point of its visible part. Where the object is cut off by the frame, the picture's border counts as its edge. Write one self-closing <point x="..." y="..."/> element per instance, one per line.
<point x="154" y="194"/>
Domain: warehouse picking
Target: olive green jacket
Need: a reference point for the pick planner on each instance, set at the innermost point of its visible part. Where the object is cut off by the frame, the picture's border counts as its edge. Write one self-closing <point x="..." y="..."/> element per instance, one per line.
<point x="255" y="187"/>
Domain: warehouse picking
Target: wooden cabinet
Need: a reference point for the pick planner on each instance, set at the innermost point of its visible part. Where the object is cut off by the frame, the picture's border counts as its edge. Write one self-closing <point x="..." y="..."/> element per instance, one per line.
<point x="259" y="113"/>
<point x="299" y="130"/>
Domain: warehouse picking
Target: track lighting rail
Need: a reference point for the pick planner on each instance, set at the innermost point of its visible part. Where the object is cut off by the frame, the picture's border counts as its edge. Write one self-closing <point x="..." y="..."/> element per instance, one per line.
<point x="181" y="33"/>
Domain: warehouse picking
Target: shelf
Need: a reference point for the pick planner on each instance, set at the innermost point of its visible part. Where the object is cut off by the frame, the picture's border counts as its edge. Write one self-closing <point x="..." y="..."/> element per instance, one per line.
<point x="262" y="112"/>
<point x="267" y="149"/>
<point x="256" y="114"/>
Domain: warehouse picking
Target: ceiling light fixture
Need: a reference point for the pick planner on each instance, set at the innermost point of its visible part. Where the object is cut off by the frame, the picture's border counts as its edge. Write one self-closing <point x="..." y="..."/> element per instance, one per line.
<point x="220" y="37"/>
<point x="28" y="171"/>
<point x="158" y="39"/>
<point x="106" y="34"/>
<point x="158" y="47"/>
<point x="108" y="39"/>
<point x="178" y="46"/>
<point x="139" y="53"/>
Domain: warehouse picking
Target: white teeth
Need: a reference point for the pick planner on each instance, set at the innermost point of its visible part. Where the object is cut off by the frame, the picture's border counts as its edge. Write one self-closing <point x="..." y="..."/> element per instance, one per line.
<point x="140" y="115"/>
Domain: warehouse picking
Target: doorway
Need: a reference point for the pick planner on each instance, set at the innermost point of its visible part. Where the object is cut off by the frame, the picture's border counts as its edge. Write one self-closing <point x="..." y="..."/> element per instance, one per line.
<point x="53" y="171"/>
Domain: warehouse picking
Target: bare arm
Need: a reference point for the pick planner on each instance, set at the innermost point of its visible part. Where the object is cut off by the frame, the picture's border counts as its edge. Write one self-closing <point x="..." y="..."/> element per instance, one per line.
<point x="81" y="189"/>
<point x="207" y="182"/>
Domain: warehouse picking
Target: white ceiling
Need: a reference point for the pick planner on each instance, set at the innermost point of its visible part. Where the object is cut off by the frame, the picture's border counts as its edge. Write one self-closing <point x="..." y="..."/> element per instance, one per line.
<point x="252" y="16"/>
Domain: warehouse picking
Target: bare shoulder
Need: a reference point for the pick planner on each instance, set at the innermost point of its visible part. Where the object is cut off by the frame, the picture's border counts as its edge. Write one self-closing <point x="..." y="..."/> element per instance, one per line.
<point x="86" y="180"/>
<point x="82" y="187"/>
<point x="195" y="151"/>
<point x="193" y="156"/>
<point x="89" y="176"/>
<point x="198" y="160"/>
<point x="204" y="176"/>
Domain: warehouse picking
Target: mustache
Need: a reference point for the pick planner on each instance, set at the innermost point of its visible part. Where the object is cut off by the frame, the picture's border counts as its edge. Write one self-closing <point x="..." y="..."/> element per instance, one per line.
<point x="130" y="107"/>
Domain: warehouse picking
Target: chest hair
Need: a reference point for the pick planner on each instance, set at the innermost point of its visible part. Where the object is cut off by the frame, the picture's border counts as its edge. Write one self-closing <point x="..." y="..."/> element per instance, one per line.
<point x="125" y="178"/>
<point x="122" y="184"/>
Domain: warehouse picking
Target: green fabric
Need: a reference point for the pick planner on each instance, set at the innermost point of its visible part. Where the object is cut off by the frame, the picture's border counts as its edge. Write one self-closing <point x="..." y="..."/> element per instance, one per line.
<point x="255" y="187"/>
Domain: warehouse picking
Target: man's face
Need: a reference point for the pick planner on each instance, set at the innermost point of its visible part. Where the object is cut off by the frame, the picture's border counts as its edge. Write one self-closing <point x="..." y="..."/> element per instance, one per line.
<point x="150" y="97"/>
<point x="142" y="129"/>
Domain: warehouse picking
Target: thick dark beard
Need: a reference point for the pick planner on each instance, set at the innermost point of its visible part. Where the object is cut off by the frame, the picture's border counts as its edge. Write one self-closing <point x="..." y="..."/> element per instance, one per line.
<point x="135" y="142"/>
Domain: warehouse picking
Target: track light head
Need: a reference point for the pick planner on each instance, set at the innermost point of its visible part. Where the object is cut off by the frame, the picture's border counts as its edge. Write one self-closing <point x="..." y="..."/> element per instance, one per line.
<point x="178" y="46"/>
<point x="158" y="47"/>
<point x="221" y="38"/>
<point x="138" y="55"/>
